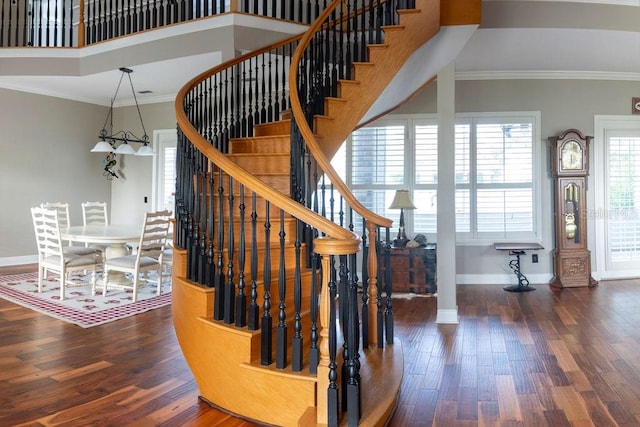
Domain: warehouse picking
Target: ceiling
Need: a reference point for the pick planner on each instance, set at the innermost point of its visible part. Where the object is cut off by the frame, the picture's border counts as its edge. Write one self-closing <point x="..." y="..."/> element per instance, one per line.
<point x="517" y="39"/>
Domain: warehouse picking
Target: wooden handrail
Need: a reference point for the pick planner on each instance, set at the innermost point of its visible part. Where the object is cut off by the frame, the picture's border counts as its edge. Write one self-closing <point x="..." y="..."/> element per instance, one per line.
<point x="307" y="133"/>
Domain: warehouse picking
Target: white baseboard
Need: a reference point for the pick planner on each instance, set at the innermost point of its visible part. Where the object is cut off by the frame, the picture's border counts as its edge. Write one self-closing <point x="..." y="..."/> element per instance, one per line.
<point x="18" y="260"/>
<point x="447" y="316"/>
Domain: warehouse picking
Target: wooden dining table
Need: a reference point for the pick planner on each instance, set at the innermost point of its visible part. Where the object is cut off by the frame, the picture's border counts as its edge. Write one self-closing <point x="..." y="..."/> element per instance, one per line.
<point x="116" y="236"/>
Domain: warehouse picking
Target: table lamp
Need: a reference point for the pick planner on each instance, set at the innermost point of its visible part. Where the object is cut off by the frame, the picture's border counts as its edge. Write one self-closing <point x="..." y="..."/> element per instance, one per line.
<point x="401" y="201"/>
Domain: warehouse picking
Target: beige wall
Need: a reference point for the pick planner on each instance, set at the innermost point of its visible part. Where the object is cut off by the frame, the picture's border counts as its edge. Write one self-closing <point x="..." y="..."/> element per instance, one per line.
<point x="129" y="191"/>
<point x="44" y="156"/>
<point x="563" y="104"/>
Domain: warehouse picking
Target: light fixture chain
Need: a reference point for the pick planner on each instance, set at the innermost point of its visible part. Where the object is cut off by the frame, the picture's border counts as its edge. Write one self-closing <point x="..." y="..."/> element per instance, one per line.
<point x="135" y="98"/>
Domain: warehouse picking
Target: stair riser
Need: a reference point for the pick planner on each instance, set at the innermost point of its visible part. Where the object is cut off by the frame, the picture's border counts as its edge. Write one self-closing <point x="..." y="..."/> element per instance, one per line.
<point x="282" y="127"/>
<point x="263" y="163"/>
<point x="279" y="181"/>
<point x="289" y="229"/>
<point x="264" y="145"/>
<point x="261" y="209"/>
<point x="289" y="258"/>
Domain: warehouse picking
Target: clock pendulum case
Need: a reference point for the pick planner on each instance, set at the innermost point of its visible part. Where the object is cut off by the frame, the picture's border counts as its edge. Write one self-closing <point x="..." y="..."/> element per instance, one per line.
<point x="570" y="168"/>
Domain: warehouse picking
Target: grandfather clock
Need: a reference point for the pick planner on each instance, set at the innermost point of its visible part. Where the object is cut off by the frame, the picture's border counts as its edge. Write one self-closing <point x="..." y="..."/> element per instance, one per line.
<point x="570" y="167"/>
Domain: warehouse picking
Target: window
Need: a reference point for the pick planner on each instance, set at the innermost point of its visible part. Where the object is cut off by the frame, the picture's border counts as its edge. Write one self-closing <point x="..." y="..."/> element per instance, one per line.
<point x="496" y="180"/>
<point x="623" y="196"/>
<point x="164" y="170"/>
<point x="613" y="214"/>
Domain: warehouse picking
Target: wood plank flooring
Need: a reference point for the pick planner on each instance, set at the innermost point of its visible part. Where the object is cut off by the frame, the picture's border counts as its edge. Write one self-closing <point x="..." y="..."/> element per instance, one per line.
<point x="542" y="358"/>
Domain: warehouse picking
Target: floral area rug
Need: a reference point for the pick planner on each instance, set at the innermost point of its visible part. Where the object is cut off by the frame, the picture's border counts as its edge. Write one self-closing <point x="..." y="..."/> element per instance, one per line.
<point x="79" y="306"/>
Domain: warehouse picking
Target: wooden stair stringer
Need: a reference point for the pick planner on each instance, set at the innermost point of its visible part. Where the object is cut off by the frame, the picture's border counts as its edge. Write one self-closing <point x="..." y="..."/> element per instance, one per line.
<point x="419" y="26"/>
<point x="217" y="354"/>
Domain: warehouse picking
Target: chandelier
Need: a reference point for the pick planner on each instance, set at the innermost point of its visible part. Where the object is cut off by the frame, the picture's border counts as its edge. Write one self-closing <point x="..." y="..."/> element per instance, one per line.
<point x="119" y="142"/>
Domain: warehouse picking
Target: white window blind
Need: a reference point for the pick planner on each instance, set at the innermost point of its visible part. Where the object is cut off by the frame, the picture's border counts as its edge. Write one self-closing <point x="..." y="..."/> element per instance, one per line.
<point x="168" y="179"/>
<point x="378" y="167"/>
<point x="623" y="197"/>
<point x="494" y="178"/>
<point x="495" y="158"/>
<point x="425" y="188"/>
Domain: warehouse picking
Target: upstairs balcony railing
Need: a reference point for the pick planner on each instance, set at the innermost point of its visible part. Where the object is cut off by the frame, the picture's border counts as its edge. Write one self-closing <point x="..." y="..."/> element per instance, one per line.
<point x="72" y="23"/>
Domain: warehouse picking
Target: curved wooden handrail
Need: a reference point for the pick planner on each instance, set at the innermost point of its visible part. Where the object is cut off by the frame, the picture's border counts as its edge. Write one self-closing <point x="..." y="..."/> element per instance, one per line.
<point x="240" y="174"/>
<point x="307" y="133"/>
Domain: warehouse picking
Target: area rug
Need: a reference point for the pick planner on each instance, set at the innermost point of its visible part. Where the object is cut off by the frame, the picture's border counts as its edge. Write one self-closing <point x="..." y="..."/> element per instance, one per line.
<point x="79" y="306"/>
<point x="411" y="295"/>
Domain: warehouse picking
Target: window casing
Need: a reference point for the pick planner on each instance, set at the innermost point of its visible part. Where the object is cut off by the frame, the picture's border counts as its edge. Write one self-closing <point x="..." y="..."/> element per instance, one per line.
<point x="497" y="182"/>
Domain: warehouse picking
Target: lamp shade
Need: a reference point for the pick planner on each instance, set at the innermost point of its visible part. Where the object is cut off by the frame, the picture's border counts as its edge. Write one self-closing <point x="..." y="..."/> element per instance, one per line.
<point x="125" y="149"/>
<point x="102" y="147"/>
<point x="402" y="200"/>
<point x="145" y="150"/>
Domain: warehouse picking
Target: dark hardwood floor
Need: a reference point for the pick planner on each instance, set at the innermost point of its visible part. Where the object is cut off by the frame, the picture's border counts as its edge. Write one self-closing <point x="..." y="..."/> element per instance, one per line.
<point x="542" y="358"/>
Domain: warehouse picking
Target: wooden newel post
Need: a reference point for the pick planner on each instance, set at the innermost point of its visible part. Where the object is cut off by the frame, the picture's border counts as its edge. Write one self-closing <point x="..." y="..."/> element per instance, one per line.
<point x="372" y="285"/>
<point x="328" y="412"/>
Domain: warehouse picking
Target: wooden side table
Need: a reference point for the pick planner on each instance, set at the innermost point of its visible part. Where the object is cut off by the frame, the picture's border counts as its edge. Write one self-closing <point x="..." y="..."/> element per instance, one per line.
<point x="412" y="269"/>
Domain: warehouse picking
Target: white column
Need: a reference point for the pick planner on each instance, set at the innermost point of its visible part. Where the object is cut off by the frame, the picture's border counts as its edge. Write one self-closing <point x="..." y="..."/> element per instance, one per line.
<point x="446" y="267"/>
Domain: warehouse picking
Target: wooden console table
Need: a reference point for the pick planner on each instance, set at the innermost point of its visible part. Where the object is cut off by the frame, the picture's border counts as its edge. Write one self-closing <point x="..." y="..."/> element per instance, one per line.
<point x="412" y="269"/>
<point x="518" y="249"/>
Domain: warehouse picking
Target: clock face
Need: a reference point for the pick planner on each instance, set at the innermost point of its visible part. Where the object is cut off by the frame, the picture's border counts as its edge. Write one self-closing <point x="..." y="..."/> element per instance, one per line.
<point x="571" y="156"/>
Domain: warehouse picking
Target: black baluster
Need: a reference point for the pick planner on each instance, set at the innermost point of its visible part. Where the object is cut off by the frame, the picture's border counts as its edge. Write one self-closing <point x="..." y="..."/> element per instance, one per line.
<point x="194" y="254"/>
<point x="314" y="350"/>
<point x="354" y="406"/>
<point x="134" y="18"/>
<point x="253" y="314"/>
<point x="219" y="284"/>
<point x="281" y="333"/>
<point x="333" y="391"/>
<point x="211" y="266"/>
<point x="267" y="321"/>
<point x="296" y="352"/>
<point x="387" y="287"/>
<point x="244" y="132"/>
<point x="48" y="26"/>
<point x="3" y="21"/>
<point x="158" y="14"/>
<point x="230" y="288"/>
<point x="190" y="201"/>
<point x="241" y="298"/>
<point x="111" y="31"/>
<point x="365" y="284"/>
<point x="202" y="261"/>
<point x="128" y="18"/>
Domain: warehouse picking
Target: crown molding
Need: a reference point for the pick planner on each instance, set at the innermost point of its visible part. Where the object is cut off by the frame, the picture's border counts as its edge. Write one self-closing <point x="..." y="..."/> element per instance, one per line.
<point x="546" y="75"/>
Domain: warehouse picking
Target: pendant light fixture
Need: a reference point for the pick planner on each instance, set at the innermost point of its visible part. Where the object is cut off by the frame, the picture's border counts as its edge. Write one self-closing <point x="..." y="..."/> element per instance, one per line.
<point x="120" y="142"/>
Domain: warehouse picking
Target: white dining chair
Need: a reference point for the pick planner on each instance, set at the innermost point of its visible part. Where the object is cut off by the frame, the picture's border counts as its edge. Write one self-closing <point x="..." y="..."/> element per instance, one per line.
<point x="62" y="209"/>
<point x="56" y="258"/>
<point x="149" y="256"/>
<point x="94" y="213"/>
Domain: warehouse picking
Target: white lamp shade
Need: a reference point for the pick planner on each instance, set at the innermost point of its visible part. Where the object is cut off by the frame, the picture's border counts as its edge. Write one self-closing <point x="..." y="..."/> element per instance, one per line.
<point x="102" y="147"/>
<point x="145" y="150"/>
<point x="125" y="149"/>
<point x="401" y="200"/>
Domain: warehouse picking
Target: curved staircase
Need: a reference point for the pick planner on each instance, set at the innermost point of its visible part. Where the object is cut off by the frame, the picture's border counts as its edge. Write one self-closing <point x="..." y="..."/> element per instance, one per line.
<point x="279" y="318"/>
